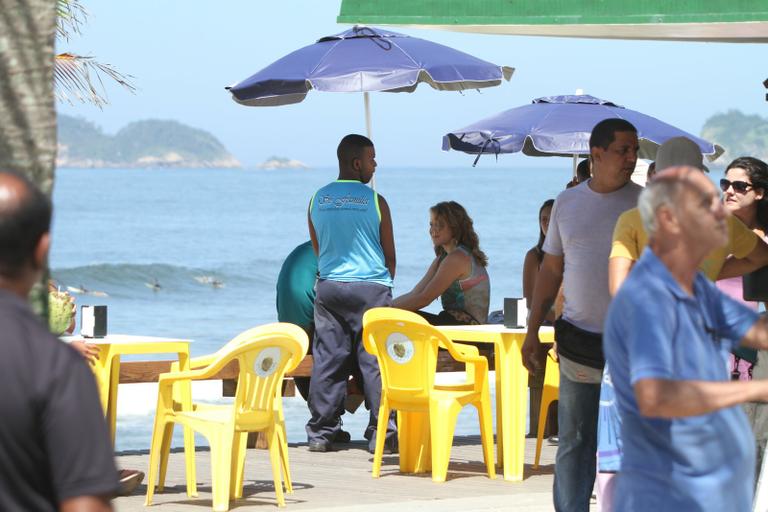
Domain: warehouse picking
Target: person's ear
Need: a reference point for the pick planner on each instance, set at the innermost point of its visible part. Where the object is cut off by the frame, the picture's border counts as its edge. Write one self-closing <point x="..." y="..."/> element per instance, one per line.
<point x="40" y="253"/>
<point x="594" y="154"/>
<point x="759" y="193"/>
<point x="667" y="219"/>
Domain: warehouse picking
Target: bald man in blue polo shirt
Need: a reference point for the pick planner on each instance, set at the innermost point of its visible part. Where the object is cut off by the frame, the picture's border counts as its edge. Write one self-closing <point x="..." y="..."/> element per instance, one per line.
<point x="668" y="333"/>
<point x="351" y="231"/>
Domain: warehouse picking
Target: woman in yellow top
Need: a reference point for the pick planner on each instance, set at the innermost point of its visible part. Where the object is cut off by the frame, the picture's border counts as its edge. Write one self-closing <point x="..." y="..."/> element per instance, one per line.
<point x="743" y="253"/>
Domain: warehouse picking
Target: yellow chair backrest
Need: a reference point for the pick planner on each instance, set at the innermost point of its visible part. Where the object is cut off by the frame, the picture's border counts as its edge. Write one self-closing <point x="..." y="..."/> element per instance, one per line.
<point x="263" y="330"/>
<point x="264" y="354"/>
<point x="407" y="347"/>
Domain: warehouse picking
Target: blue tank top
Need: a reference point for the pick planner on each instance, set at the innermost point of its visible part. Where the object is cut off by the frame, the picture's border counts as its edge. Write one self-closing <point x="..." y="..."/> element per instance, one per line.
<point x="346" y="218"/>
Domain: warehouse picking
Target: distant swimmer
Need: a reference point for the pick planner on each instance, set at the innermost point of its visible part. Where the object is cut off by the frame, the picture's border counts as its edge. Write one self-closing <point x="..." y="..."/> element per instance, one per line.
<point x="211" y="280"/>
<point x="154" y="285"/>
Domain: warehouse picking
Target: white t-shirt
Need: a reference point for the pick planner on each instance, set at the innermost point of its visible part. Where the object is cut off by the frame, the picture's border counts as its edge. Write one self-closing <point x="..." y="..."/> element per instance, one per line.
<point x="580" y="229"/>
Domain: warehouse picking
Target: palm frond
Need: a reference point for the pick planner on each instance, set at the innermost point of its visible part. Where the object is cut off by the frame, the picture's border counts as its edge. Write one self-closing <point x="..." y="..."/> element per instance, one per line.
<point x="70" y="16"/>
<point x="79" y="78"/>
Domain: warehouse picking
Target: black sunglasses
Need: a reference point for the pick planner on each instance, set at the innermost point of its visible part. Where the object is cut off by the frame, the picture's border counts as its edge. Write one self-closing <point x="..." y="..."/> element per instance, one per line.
<point x="738" y="185"/>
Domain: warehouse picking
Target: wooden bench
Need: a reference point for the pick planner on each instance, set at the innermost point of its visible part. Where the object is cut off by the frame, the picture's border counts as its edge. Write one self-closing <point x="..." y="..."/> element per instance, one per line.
<point x="133" y="372"/>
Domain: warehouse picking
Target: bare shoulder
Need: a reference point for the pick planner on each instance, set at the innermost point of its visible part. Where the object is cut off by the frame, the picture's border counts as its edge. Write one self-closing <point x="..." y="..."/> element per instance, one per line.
<point x="457" y="259"/>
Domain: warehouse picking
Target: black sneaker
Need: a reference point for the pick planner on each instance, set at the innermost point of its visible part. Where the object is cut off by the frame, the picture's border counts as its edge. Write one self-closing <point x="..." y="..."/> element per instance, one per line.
<point x="390" y="446"/>
<point x="553" y="440"/>
<point x="319" y="446"/>
<point x="342" y="436"/>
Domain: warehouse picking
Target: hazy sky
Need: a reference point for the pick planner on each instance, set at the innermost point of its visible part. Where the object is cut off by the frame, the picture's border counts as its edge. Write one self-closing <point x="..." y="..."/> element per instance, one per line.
<point x="182" y="55"/>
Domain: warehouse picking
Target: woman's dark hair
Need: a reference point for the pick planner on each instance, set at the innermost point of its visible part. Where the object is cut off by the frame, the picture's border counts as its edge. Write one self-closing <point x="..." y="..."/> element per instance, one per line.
<point x="461" y="227"/>
<point x="539" y="251"/>
<point x="757" y="170"/>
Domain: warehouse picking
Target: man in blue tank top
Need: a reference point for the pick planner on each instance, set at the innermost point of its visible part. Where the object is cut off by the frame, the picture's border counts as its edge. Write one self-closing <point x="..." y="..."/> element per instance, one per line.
<point x="351" y="231"/>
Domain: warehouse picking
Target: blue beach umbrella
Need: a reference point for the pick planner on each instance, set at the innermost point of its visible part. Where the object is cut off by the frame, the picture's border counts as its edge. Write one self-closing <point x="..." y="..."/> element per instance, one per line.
<point x="561" y="126"/>
<point x="364" y="59"/>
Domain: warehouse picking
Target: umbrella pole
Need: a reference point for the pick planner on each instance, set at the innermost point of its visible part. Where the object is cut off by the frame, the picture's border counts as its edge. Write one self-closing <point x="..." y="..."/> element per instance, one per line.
<point x="575" y="163"/>
<point x="367" y="101"/>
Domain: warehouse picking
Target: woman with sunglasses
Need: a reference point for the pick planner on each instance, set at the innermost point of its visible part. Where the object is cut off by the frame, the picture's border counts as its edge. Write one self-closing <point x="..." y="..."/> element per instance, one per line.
<point x="745" y="195"/>
<point x="744" y="187"/>
<point x="457" y="275"/>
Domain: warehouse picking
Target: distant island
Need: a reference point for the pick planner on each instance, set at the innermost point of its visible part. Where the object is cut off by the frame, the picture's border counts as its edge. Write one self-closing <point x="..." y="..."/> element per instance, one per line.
<point x="739" y="134"/>
<point x="150" y="143"/>
<point x="277" y="162"/>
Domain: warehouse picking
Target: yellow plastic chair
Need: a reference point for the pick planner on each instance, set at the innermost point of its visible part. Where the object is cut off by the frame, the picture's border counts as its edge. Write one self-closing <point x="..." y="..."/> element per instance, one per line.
<point x="406" y="347"/>
<point x="264" y="355"/>
<point x="202" y="361"/>
<point x="549" y="394"/>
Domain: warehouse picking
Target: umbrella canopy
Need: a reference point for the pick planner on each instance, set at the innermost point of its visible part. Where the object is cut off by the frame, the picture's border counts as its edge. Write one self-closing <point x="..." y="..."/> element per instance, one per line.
<point x="561" y="126"/>
<point x="364" y="59"/>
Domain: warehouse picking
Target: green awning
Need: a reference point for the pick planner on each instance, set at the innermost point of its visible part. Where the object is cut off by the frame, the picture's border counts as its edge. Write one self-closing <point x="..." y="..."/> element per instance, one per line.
<point x="744" y="21"/>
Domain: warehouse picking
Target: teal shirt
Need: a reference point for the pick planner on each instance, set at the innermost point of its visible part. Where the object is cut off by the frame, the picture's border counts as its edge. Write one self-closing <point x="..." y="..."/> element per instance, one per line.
<point x="296" y="287"/>
<point x="346" y="218"/>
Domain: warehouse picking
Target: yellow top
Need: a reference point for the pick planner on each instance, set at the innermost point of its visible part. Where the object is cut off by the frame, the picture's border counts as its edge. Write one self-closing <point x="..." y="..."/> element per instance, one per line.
<point x="630" y="238"/>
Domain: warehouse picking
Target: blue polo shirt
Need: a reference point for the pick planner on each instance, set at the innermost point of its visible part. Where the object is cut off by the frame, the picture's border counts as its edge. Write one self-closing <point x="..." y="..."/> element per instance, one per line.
<point x="655" y="330"/>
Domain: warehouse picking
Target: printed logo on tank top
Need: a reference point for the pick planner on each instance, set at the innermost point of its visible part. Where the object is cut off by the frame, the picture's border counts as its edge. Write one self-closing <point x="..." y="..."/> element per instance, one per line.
<point x="345" y="202"/>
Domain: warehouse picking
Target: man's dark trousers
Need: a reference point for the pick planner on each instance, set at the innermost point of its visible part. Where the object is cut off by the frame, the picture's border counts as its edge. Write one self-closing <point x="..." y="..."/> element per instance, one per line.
<point x="339" y="309"/>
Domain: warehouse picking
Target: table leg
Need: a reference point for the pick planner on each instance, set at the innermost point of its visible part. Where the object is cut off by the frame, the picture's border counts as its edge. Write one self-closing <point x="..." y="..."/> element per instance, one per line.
<point x="513" y="406"/>
<point x="101" y="370"/>
<point x="498" y="371"/>
<point x="114" y="381"/>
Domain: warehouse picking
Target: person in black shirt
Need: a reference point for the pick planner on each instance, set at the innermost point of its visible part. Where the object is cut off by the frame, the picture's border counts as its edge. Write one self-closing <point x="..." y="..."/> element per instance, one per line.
<point x="55" y="452"/>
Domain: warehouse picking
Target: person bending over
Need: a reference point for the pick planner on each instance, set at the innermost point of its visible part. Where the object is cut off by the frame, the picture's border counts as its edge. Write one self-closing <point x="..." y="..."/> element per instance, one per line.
<point x="457" y="274"/>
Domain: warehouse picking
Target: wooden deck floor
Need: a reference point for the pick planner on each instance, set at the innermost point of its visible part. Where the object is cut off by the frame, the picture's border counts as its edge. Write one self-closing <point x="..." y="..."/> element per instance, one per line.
<point x="341" y="481"/>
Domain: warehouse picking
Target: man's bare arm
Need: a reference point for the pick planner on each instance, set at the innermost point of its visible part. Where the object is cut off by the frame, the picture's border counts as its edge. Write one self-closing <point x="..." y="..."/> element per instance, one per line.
<point x="544" y="294"/>
<point x="662" y="398"/>
<point x="387" y="237"/>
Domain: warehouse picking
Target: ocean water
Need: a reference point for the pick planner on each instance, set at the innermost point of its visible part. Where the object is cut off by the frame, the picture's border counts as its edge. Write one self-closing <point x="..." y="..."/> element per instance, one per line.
<point x="118" y="231"/>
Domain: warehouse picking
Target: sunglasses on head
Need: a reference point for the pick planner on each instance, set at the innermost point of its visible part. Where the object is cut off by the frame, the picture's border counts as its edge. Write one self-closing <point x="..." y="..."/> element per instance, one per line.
<point x="738" y="185"/>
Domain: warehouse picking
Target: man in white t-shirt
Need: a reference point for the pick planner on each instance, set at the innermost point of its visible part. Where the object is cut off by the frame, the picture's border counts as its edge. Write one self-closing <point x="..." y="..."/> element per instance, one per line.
<point x="576" y="254"/>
